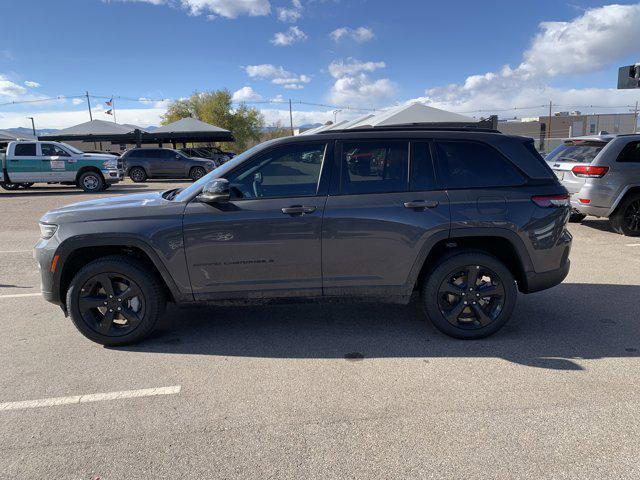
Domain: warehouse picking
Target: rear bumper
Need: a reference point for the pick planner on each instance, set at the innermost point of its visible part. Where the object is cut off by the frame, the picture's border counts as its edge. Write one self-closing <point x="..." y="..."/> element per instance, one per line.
<point x="536" y="282"/>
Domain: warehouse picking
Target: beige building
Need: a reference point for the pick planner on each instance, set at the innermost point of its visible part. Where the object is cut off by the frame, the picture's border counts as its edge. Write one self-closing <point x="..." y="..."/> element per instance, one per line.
<point x="548" y="132"/>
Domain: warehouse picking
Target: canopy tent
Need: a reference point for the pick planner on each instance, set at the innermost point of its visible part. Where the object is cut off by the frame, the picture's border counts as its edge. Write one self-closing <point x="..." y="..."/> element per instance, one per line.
<point x="413" y="114"/>
<point x="191" y="130"/>
<point x="181" y="131"/>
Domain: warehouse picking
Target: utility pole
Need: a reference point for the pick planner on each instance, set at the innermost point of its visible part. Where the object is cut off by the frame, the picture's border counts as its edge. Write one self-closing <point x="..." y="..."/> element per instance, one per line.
<point x="290" y="117"/>
<point x="635" y="118"/>
<point x="89" y="105"/>
<point x="549" y="126"/>
<point x="113" y="109"/>
<point x="33" y="123"/>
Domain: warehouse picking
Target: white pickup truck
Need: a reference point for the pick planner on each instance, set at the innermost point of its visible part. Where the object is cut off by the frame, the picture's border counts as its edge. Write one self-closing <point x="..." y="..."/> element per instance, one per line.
<point x="27" y="162"/>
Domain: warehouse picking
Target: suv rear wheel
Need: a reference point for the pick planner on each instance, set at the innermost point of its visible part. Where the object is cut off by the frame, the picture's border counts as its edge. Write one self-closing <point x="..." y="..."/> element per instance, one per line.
<point x="10" y="186"/>
<point x="469" y="295"/>
<point x="115" y="301"/>
<point x="626" y="218"/>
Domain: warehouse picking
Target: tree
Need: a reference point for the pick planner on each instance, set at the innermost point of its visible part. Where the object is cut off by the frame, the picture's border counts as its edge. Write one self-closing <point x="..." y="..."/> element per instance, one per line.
<point x="216" y="107"/>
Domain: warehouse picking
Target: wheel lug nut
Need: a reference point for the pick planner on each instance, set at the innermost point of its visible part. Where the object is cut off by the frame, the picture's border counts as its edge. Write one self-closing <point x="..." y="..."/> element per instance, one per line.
<point x="119" y="299"/>
<point x="465" y="302"/>
<point x="111" y="309"/>
<point x="119" y="308"/>
<point x="110" y="296"/>
<point x="105" y="303"/>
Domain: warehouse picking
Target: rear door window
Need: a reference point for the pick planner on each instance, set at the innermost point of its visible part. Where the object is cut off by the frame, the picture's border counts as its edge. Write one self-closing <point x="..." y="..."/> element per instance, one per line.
<point x="374" y="167"/>
<point x="630" y="153"/>
<point x="466" y="164"/>
<point x="25" y="150"/>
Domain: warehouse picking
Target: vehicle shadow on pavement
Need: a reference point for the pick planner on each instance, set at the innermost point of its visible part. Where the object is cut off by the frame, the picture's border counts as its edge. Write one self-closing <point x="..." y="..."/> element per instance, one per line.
<point x="548" y="330"/>
<point x="601" y="224"/>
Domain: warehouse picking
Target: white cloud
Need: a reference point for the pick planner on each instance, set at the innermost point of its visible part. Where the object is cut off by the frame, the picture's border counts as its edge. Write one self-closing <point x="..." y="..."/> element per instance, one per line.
<point x="77" y="101"/>
<point x="293" y="86"/>
<point x="588" y="43"/>
<point x="10" y="90"/>
<point x="31" y="84"/>
<point x="277" y="75"/>
<point x="291" y="36"/>
<point x="278" y="98"/>
<point x="246" y="94"/>
<point x="351" y="66"/>
<point x="353" y="85"/>
<point x="291" y="15"/>
<point x="213" y="8"/>
<point x="359" y="35"/>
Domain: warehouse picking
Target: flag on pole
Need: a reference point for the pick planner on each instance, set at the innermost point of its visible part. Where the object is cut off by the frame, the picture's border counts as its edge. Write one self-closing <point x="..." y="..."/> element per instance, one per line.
<point x="109" y="102"/>
<point x="109" y="112"/>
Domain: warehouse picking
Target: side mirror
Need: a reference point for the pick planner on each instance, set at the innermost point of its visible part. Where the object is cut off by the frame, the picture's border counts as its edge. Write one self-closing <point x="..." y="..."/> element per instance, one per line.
<point x="216" y="191"/>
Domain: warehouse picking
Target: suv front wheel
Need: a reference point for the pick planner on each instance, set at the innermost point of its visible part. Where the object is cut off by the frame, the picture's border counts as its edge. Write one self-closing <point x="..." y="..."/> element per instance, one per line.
<point x="469" y="295"/>
<point x="115" y="301"/>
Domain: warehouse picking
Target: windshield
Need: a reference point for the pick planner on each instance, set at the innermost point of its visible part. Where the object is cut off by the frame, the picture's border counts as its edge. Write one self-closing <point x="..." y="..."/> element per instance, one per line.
<point x="72" y="149"/>
<point x="220" y="171"/>
<point x="583" y="152"/>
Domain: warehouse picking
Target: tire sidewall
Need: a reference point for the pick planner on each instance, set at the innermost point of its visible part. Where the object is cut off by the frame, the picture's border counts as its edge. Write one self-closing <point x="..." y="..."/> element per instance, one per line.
<point x="153" y="298"/>
<point x="617" y="220"/>
<point x="100" y="183"/>
<point x="437" y="275"/>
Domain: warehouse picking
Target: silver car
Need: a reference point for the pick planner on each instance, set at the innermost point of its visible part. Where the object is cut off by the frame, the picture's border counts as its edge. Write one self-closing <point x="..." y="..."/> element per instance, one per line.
<point x="602" y="174"/>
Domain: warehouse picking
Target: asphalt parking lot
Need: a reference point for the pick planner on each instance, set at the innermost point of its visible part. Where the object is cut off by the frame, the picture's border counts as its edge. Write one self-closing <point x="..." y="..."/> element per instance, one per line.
<point x="330" y="391"/>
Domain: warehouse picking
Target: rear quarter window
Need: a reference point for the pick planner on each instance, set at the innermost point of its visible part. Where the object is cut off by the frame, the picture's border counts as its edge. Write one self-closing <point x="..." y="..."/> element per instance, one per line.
<point x="473" y="164"/>
<point x="630" y="153"/>
<point x="25" y="150"/>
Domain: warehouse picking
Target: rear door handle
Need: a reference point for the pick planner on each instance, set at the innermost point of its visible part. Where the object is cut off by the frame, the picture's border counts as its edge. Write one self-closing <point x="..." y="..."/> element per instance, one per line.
<point x="298" y="209"/>
<point x="421" y="204"/>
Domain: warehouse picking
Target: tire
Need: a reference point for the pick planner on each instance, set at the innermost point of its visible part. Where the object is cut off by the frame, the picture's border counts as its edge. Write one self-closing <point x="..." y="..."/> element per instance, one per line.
<point x="107" y="325"/>
<point x="138" y="174"/>
<point x="196" y="173"/>
<point x="91" y="182"/>
<point x="482" y="315"/>
<point x="9" y="186"/>
<point x="626" y="219"/>
<point x="26" y="185"/>
<point x="576" y="217"/>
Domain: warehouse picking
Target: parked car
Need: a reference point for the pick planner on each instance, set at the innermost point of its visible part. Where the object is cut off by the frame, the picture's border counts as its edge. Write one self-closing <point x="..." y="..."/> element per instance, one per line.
<point x="212" y="153"/>
<point x="144" y="163"/>
<point x="602" y="174"/>
<point x="464" y="218"/>
<point x="115" y="154"/>
<point x="28" y="162"/>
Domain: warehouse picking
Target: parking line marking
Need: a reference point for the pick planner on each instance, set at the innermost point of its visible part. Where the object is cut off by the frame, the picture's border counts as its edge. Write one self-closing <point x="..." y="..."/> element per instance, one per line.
<point x="633" y="244"/>
<point x="21" y="295"/>
<point x="16" y="251"/>
<point x="93" y="397"/>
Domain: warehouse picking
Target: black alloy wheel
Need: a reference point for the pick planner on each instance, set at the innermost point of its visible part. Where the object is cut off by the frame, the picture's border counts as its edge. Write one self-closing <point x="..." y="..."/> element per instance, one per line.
<point x="626" y="217"/>
<point x="111" y="304"/>
<point x="197" y="173"/>
<point x="471" y="297"/>
<point x="469" y="294"/>
<point x="115" y="300"/>
<point x="632" y="216"/>
<point x="137" y="174"/>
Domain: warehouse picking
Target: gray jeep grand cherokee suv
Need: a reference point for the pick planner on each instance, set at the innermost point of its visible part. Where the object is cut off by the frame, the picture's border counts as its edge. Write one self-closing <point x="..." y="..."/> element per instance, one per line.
<point x="463" y="217"/>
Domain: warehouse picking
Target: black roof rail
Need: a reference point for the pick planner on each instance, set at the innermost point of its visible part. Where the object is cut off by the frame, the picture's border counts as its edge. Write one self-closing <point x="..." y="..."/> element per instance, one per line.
<point x="414" y="128"/>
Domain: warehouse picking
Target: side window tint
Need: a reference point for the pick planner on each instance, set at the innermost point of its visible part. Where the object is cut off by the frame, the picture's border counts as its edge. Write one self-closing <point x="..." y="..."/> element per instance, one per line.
<point x="630" y="153"/>
<point x="25" y="150"/>
<point x="289" y="171"/>
<point x="422" y="173"/>
<point x="464" y="164"/>
<point x="50" y="150"/>
<point x="374" y="167"/>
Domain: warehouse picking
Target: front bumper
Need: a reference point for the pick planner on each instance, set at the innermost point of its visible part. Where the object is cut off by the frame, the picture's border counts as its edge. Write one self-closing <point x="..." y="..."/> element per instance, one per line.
<point x="113" y="176"/>
<point x="44" y="252"/>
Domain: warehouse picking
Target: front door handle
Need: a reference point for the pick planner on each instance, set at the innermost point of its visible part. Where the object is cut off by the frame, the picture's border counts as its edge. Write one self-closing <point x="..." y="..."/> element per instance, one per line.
<point x="421" y="204"/>
<point x="298" y="209"/>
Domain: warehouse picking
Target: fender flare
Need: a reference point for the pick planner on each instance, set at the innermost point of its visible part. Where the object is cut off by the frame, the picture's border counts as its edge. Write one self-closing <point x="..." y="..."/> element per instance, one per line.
<point x="67" y="247"/>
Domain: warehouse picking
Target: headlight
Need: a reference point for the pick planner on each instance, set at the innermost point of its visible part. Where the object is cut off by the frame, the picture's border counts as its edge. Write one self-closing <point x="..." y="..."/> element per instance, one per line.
<point x="47" y="230"/>
<point x="110" y="164"/>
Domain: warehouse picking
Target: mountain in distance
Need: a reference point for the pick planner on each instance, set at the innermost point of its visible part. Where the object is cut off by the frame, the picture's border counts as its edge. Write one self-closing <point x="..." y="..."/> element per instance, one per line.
<point x="27" y="132"/>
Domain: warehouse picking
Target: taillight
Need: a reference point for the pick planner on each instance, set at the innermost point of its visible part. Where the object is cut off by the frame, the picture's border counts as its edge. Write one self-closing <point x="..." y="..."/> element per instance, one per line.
<point x="546" y="201"/>
<point x="589" y="171"/>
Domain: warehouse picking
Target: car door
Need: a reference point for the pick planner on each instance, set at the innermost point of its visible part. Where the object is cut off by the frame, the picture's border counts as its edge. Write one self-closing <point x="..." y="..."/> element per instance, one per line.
<point x="57" y="161"/>
<point x="174" y="165"/>
<point x="380" y="221"/>
<point x="25" y="165"/>
<point x="154" y="159"/>
<point x="625" y="172"/>
<point x="265" y="242"/>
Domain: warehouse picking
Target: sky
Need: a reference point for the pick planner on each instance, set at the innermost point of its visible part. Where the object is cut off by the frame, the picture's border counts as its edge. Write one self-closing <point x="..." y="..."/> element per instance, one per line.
<point x="340" y="58"/>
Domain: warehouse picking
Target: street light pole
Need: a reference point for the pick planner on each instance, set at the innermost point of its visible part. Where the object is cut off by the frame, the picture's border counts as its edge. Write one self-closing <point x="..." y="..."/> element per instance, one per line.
<point x="33" y="126"/>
